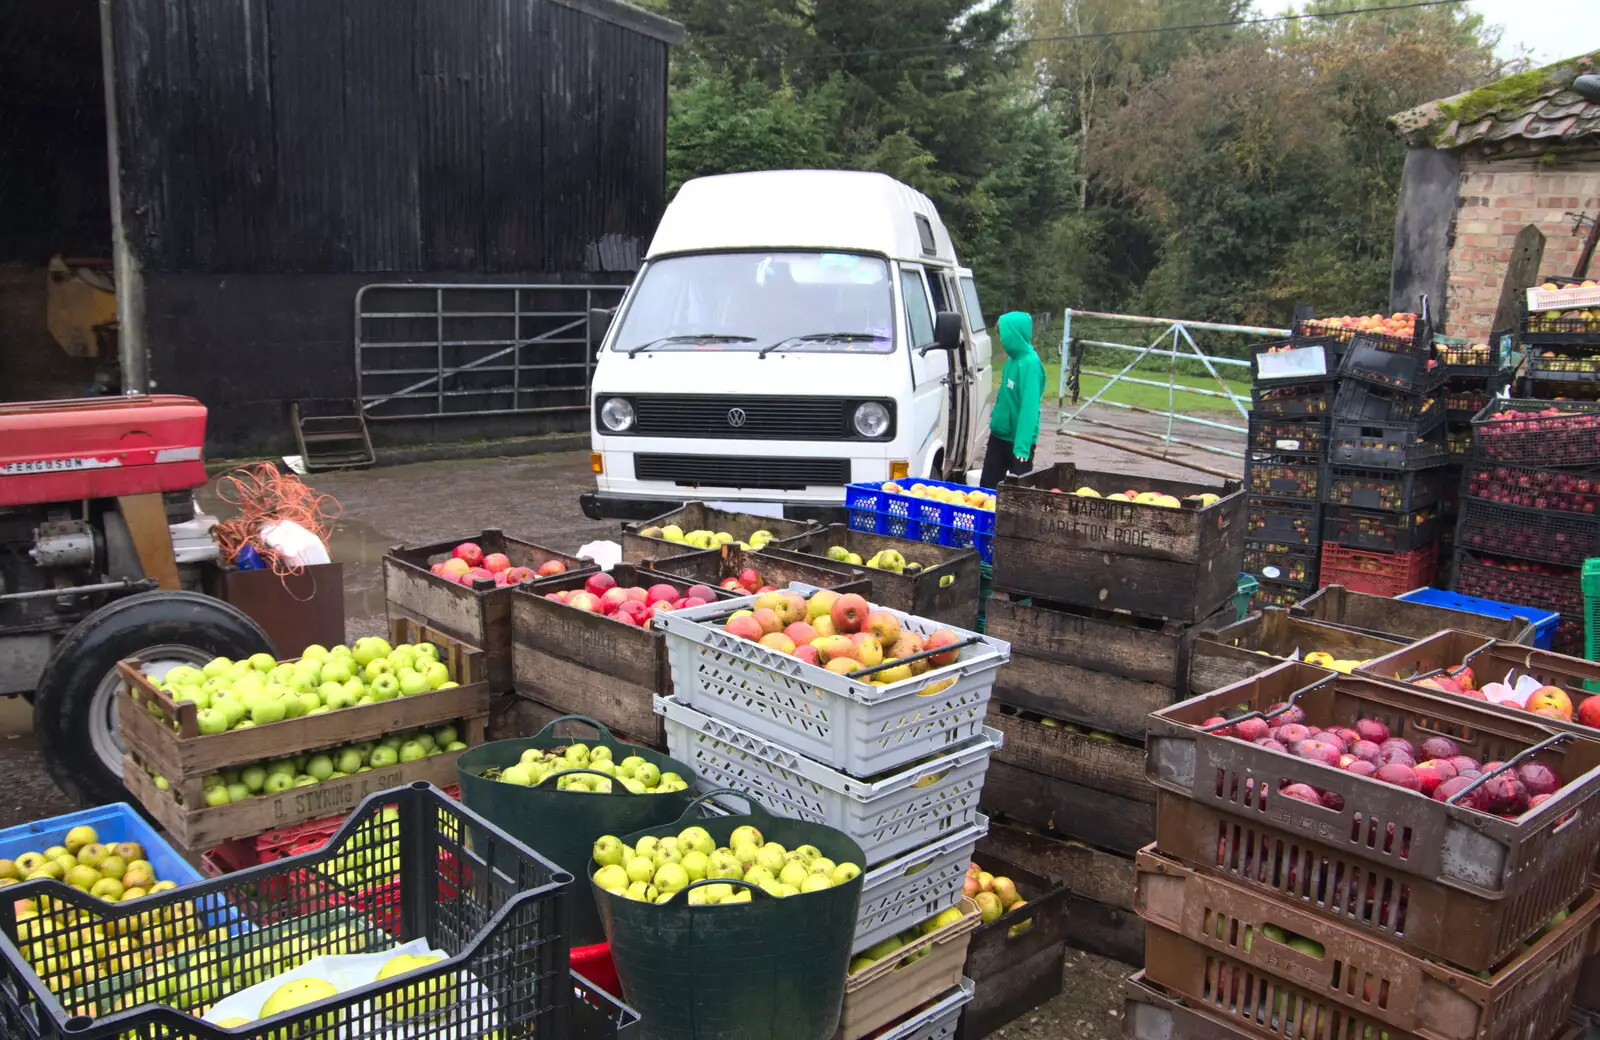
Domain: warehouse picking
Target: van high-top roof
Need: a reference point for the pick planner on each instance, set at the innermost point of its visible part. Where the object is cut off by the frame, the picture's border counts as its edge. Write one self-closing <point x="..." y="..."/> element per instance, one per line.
<point x="836" y="210"/>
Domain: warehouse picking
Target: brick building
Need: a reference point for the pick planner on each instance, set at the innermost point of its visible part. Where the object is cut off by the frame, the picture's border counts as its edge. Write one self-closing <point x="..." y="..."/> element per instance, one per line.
<point x="1482" y="166"/>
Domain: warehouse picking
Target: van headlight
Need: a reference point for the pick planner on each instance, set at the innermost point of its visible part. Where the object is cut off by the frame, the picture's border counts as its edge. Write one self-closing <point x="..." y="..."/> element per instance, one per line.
<point x="616" y="414"/>
<point x="871" y="420"/>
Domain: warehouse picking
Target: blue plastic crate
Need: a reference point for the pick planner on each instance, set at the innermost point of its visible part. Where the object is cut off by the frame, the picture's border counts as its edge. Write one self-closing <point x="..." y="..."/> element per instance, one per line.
<point x="921" y="519"/>
<point x="114" y="823"/>
<point x="1544" y="621"/>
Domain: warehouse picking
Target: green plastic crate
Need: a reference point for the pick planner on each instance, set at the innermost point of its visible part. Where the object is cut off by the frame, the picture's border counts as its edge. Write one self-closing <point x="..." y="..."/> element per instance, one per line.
<point x="1591" y="614"/>
<point x="1247" y="591"/>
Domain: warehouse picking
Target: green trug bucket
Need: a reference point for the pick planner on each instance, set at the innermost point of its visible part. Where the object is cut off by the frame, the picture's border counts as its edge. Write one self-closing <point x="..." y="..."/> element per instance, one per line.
<point x="769" y="969"/>
<point x="563" y="826"/>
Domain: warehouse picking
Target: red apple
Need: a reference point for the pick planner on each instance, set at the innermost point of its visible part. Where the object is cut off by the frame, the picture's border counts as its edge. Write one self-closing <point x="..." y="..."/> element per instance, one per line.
<point x="639" y="594"/>
<point x="1328" y="736"/>
<point x="1294" y="715"/>
<point x="1373" y="730"/>
<point x="1464" y="763"/>
<point x="469" y="553"/>
<point x="1271" y="745"/>
<point x="519" y="575"/>
<point x="662" y="593"/>
<point x="1432" y="773"/>
<point x="1302" y="792"/>
<point x="808" y="654"/>
<point x="801" y="633"/>
<point x="476" y="574"/>
<point x="750" y="579"/>
<point x="1293" y="733"/>
<point x="1440" y="747"/>
<point x="849" y="613"/>
<point x="1250" y="729"/>
<point x="732" y="585"/>
<point x="1399" y="775"/>
<point x="1464" y="677"/>
<point x="584" y="601"/>
<point x="627" y="619"/>
<point x="941" y="638"/>
<point x="1394" y="756"/>
<point x="500" y="579"/>
<point x="1333" y="800"/>
<point x="768" y="620"/>
<point x="549" y="567"/>
<point x="1361" y="767"/>
<point x="613" y="598"/>
<point x="746" y="627"/>
<point x="632" y="608"/>
<point x="1538" y="778"/>
<point x="695" y="601"/>
<point x="1507" y="795"/>
<point x="597" y="583"/>
<point x="1221" y="731"/>
<point x="701" y="593"/>
<point x="1316" y="751"/>
<point x="1368" y="750"/>
<point x="496" y="562"/>
<point x="1588" y="713"/>
<point x="1538" y="800"/>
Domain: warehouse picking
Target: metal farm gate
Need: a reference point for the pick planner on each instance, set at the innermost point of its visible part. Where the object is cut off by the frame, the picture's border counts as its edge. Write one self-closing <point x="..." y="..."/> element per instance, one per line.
<point x="430" y="351"/>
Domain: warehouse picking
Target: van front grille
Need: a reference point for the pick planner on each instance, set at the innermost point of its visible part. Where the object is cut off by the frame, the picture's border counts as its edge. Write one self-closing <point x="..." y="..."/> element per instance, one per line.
<point x="779" y="474"/>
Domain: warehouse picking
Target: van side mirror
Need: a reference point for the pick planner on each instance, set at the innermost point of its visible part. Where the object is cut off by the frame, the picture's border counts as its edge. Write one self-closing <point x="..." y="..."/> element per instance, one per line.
<point x="946" y="332"/>
<point x="600" y="324"/>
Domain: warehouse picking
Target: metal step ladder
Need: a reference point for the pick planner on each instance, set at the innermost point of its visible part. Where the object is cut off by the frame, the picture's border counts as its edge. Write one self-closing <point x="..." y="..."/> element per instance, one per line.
<point x="331" y="434"/>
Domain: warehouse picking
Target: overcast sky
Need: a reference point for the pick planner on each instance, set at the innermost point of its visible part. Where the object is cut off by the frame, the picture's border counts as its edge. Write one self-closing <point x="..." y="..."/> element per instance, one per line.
<point x="1548" y="30"/>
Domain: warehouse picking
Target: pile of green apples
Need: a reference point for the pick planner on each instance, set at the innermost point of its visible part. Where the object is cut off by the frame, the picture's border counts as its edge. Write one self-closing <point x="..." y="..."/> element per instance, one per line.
<point x="276" y="776"/>
<point x="706" y="539"/>
<point x="633" y="773"/>
<point x="883" y="560"/>
<point x="655" y="869"/>
<point x="892" y="945"/>
<point x="260" y="691"/>
<point x="109" y="872"/>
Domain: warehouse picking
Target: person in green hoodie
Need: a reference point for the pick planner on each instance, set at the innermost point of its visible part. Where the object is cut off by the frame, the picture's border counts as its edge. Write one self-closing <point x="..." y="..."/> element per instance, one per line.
<point x="1014" y="424"/>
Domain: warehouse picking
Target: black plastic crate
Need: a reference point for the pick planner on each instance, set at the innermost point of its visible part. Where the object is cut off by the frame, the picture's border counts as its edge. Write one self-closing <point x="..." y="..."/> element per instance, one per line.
<point x="1565" y="491"/>
<point x="1305" y="367"/>
<point x="1563" y="363"/>
<point x="597" y="1015"/>
<point x="1548" y="328"/>
<point x="1380" y="530"/>
<point x="1465" y="397"/>
<point x="1278" y="594"/>
<point x="1392" y="363"/>
<point x="1403" y="491"/>
<point x="1531" y="432"/>
<point x="1287" y="437"/>
<point x="1294" y="401"/>
<point x="1458" y="442"/>
<point x="1421" y="331"/>
<point x="1473" y="359"/>
<point x="1290" y="563"/>
<point x="1565" y="539"/>
<point x="1284" y="477"/>
<point x="1524" y="583"/>
<point x="1282" y="522"/>
<point x="1384" y="445"/>
<point x="406" y="864"/>
<point x="1364" y="402"/>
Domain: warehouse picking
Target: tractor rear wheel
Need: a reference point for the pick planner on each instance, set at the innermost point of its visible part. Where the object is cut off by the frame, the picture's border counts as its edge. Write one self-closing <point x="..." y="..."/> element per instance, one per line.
<point x="75" y="704"/>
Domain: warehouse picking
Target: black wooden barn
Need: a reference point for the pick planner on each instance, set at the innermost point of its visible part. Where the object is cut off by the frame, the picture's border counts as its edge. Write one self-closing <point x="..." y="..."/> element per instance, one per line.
<point x="321" y="199"/>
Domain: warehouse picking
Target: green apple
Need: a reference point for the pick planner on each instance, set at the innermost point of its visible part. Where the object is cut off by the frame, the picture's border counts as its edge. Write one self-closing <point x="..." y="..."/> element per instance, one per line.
<point x="628" y="765"/>
<point x="293" y="706"/>
<point x="329" y="689"/>
<point x="647" y="774"/>
<point x="263" y="662"/>
<point x="303" y="682"/>
<point x="232" y="707"/>
<point x="425" y="738"/>
<point x="320" y="766"/>
<point x="309" y="668"/>
<point x="341" y="698"/>
<point x="375" y="668"/>
<point x="266" y="711"/>
<point x="216" y="666"/>
<point x="254" y="777"/>
<point x="281" y="674"/>
<point x="383" y="756"/>
<point x="306" y="781"/>
<point x="411" y="750"/>
<point x="577" y="754"/>
<point x="183" y="675"/>
<point x="355" y="687"/>
<point x="446" y="734"/>
<point x="349" y="760"/>
<point x="338" y="669"/>
<point x="698" y="839"/>
<point x="608" y="850"/>
<point x="412" y="682"/>
<point x="393" y="740"/>
<point x="385" y="687"/>
<point x="218" y="795"/>
<point x="282" y="765"/>
<point x="427" y="651"/>
<point x="402" y="657"/>
<point x="339" y="650"/>
<point x="277" y="783"/>
<point x="612" y="878"/>
<point x="211" y="721"/>
<point x="315" y="650"/>
<point x="238" y="792"/>
<point x="309" y="702"/>
<point x="519" y="774"/>
<point x="369" y="649"/>
<point x="192" y="694"/>
<point x="435" y="672"/>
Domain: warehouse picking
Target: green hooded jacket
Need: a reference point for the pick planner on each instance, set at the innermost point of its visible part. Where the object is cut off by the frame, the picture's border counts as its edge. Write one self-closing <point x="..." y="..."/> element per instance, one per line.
<point x="1016" y="411"/>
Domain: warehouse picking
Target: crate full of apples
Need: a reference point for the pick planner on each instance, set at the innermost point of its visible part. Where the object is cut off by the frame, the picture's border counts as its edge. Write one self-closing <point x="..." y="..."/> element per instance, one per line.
<point x="1396" y="772"/>
<point x="854" y="686"/>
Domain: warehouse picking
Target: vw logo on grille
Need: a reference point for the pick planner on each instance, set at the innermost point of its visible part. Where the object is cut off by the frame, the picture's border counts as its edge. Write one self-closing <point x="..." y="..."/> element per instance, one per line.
<point x="736" y="417"/>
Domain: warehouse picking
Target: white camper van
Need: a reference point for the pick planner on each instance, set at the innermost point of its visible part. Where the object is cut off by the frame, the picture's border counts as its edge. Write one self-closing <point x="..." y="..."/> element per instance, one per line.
<point x="789" y="333"/>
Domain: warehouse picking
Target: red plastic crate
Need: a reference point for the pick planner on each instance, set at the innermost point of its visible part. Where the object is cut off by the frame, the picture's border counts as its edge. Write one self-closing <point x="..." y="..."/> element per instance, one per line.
<point x="1378" y="573"/>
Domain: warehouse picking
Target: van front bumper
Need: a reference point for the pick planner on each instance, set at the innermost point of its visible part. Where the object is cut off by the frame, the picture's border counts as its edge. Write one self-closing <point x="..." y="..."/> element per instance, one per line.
<point x="599" y="505"/>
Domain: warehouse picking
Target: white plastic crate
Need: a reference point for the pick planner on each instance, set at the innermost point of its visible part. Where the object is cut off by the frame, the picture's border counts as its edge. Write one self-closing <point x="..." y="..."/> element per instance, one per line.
<point x="889" y="816"/>
<point x="842" y="722"/>
<point x="937" y="1020"/>
<point x="919" y="885"/>
<point x="1575" y="298"/>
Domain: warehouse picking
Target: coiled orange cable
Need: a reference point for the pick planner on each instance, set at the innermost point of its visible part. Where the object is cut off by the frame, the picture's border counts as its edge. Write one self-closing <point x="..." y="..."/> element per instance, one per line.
<point x="262" y="494"/>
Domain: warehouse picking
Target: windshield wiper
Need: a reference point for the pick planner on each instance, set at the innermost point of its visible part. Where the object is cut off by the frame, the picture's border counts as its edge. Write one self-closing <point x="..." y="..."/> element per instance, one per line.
<point x="820" y="337"/>
<point x="709" y="338"/>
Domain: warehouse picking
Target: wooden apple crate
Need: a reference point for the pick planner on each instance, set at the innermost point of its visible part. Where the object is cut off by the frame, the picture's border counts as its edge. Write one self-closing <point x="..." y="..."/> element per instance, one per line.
<point x="1093" y="789"/>
<point x="1015" y="973"/>
<point x="197" y="826"/>
<point x="1223" y="656"/>
<point x="1099" y="669"/>
<point x="1099" y="886"/>
<point x="1400" y="620"/>
<point x="1180" y="564"/>
<point x="587" y="664"/>
<point x="184" y="757"/>
<point x="480" y="617"/>
<point x="697" y="516"/>
<point x="946" y="589"/>
<point x="777" y="568"/>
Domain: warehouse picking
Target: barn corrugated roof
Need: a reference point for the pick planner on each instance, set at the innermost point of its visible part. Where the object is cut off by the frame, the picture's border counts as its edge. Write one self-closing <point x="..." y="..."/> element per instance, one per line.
<point x="1526" y="113"/>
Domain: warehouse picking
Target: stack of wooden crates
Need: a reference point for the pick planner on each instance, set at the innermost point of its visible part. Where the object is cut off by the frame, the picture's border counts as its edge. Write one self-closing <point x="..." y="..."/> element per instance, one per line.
<point x="1100" y="600"/>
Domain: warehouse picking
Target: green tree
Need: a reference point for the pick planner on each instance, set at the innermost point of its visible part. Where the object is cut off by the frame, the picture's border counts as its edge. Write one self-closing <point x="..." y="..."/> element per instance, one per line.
<point x="715" y="125"/>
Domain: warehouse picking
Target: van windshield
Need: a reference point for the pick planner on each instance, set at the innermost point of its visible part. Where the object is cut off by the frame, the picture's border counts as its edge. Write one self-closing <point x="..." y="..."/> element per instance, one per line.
<point x="762" y="302"/>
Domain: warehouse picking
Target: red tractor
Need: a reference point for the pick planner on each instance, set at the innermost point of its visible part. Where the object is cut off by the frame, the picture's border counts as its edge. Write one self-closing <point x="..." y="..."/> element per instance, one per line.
<point x="90" y="494"/>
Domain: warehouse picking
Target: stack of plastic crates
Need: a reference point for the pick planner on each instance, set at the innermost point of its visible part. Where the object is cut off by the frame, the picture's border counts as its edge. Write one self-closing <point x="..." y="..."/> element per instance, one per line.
<point x="899" y="767"/>
<point x="1473" y="374"/>
<point x="1530" y="509"/>
<point x="1293" y="388"/>
<point x="1591" y="612"/>
<point x="1386" y="466"/>
<point x="1561" y="342"/>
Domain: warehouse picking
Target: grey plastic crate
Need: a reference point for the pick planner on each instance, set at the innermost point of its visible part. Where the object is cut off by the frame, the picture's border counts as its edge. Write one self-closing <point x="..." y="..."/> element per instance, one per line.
<point x="937" y="1020"/>
<point x="842" y="722"/>
<point x="912" y="888"/>
<point x="886" y="817"/>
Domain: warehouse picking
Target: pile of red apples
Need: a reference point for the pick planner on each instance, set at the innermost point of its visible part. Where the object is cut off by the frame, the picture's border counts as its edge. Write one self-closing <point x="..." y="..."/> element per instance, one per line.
<point x="468" y="564"/>
<point x="631" y="604"/>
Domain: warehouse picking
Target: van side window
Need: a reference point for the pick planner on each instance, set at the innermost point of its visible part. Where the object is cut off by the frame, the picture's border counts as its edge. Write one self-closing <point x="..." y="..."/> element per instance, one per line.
<point x="969" y="293"/>
<point x="919" y="316"/>
<point x="936" y="289"/>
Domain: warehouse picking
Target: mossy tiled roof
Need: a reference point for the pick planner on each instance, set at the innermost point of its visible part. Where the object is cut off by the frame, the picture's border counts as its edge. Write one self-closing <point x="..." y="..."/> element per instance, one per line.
<point x="1528" y="112"/>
